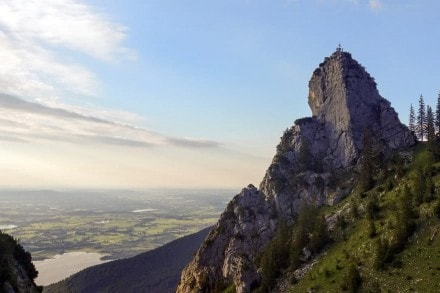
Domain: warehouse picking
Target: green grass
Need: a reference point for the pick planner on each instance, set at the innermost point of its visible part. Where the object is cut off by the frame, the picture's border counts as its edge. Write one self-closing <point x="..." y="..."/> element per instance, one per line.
<point x="76" y="233"/>
<point x="415" y="269"/>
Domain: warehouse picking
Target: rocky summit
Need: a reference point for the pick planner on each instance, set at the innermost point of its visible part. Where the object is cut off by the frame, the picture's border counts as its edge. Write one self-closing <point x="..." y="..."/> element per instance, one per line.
<point x="316" y="161"/>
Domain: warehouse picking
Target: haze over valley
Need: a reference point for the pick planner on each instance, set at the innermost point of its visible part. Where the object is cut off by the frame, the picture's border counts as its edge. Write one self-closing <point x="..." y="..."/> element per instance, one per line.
<point x="114" y="223"/>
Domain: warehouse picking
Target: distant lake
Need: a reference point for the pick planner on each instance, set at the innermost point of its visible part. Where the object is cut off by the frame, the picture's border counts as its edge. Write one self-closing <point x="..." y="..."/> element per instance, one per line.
<point x="63" y="265"/>
<point x="144" y="210"/>
<point x="7" y="227"/>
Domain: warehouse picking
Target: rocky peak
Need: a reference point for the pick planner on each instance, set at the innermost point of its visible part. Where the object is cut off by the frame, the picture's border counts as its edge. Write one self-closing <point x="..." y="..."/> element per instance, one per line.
<point x="344" y="97"/>
<point x="340" y="81"/>
<point x="315" y="162"/>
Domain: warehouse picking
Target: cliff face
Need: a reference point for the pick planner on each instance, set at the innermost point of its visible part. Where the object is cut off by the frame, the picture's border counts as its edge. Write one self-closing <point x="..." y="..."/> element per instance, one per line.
<point x="344" y="97"/>
<point x="315" y="162"/>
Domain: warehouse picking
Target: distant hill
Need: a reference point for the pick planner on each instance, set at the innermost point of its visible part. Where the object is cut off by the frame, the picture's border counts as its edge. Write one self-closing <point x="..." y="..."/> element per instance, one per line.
<point x="157" y="270"/>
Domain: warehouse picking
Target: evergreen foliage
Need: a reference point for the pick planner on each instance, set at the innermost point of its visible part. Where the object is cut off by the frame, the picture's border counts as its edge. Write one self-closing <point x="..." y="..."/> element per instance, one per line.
<point x="11" y="251"/>
<point x="412" y="119"/>
<point x="430" y="126"/>
<point x="371" y="229"/>
<point x="274" y="259"/>
<point x="286" y="249"/>
<point x="421" y="119"/>
<point x="437" y="114"/>
<point x="379" y="254"/>
<point x="368" y="163"/>
<point x="352" y="280"/>
<point x="379" y="233"/>
<point x="419" y="186"/>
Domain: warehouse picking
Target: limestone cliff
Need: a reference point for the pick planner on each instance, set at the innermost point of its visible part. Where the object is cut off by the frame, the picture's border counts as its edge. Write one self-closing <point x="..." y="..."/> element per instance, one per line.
<point x="315" y="161"/>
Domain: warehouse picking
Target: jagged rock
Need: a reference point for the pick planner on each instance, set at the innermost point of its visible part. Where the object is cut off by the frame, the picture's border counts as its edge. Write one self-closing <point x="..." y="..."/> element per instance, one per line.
<point x="315" y="162"/>
<point x="344" y="97"/>
<point x="228" y="252"/>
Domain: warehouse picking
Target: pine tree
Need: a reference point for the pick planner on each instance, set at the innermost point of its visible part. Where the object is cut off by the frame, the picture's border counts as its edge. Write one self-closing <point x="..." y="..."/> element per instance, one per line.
<point x="305" y="223"/>
<point x="352" y="279"/>
<point x="319" y="236"/>
<point x="429" y="125"/>
<point x="412" y="120"/>
<point x="368" y="166"/>
<point x="419" y="186"/>
<point x="437" y="114"/>
<point x="379" y="254"/>
<point x="429" y="190"/>
<point x="421" y="119"/>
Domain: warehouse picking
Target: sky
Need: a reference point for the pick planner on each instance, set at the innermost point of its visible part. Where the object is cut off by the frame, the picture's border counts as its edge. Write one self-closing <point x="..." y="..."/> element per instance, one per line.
<point x="186" y="94"/>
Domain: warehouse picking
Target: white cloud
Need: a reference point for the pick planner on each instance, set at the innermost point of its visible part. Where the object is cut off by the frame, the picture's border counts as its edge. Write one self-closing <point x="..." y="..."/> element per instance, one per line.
<point x="67" y="23"/>
<point x="30" y="70"/>
<point x="38" y="43"/>
<point x="24" y="121"/>
<point x="375" y="4"/>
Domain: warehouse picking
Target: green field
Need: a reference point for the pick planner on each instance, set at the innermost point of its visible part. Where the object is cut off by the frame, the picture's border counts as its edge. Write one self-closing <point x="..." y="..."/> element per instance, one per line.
<point x="117" y="224"/>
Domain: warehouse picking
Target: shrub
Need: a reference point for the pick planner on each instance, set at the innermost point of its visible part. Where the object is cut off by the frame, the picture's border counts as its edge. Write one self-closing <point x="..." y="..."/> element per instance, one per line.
<point x="352" y="279"/>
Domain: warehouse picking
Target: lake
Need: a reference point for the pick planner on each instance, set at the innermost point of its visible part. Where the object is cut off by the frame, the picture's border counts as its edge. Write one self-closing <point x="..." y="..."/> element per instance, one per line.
<point x="63" y="265"/>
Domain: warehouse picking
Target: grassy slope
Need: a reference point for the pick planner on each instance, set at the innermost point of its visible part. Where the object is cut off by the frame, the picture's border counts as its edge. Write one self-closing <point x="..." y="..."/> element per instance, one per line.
<point x="415" y="269"/>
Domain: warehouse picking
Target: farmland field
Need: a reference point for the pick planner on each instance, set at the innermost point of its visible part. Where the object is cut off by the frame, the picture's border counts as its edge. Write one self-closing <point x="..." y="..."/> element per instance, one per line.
<point x="118" y="224"/>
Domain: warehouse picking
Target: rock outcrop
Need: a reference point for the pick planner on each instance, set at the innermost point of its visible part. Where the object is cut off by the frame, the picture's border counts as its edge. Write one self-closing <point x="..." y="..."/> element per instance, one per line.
<point x="315" y="161"/>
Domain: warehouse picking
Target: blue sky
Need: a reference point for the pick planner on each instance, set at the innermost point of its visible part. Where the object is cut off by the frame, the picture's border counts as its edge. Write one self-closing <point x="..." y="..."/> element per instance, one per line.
<point x="186" y="93"/>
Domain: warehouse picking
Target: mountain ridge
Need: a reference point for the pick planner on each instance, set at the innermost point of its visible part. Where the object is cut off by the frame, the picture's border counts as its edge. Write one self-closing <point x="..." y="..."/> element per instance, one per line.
<point x="157" y="270"/>
<point x="312" y="154"/>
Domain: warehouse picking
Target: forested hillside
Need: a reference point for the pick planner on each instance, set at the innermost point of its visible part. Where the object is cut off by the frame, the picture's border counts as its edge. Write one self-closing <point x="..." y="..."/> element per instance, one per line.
<point x="381" y="238"/>
<point x="17" y="272"/>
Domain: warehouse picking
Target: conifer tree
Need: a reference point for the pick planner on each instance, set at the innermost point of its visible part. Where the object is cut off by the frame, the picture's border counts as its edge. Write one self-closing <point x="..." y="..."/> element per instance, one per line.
<point x="437" y="114"/>
<point x="421" y="119"/>
<point x="412" y="119"/>
<point x="368" y="166"/>
<point x="430" y="126"/>
<point x="319" y="236"/>
<point x="429" y="190"/>
<point x="380" y="254"/>
<point x="419" y="186"/>
<point x="305" y="224"/>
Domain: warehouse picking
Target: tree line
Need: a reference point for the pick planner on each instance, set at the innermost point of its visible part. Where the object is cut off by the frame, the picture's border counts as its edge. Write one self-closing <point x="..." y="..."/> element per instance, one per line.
<point x="426" y="124"/>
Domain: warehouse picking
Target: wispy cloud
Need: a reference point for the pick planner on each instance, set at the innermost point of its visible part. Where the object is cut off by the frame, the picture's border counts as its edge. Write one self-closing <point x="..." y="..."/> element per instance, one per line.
<point x="192" y="143"/>
<point x="66" y="23"/>
<point x="37" y="35"/>
<point x="24" y="121"/>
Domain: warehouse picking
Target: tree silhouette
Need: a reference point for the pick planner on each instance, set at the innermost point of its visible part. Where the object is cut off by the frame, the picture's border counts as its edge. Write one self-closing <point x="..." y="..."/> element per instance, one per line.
<point x="412" y="119"/>
<point x="368" y="162"/>
<point x="421" y="119"/>
<point x="437" y="114"/>
<point x="430" y="126"/>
